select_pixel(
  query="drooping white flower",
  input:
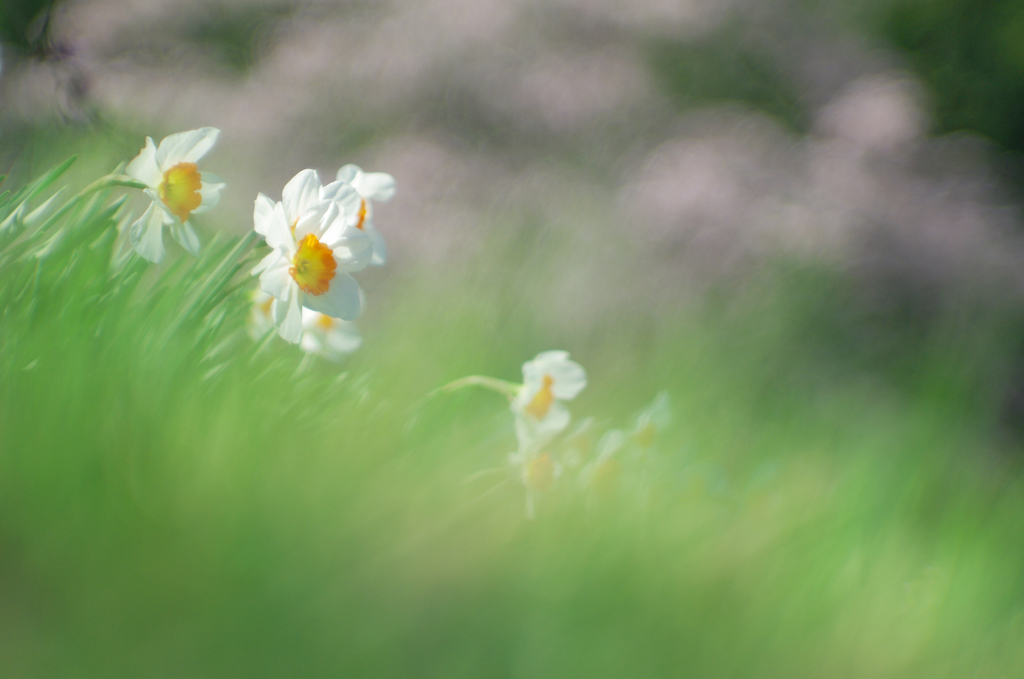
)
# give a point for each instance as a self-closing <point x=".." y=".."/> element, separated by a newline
<point x="371" y="186"/>
<point x="315" y="247"/>
<point x="177" y="189"/>
<point x="537" y="470"/>
<point x="328" y="337"/>
<point x="547" y="380"/>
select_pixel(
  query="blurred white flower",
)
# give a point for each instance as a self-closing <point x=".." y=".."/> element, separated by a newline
<point x="578" y="443"/>
<point x="652" y="422"/>
<point x="537" y="471"/>
<point x="261" y="317"/>
<point x="178" y="190"/>
<point x="547" y="380"/>
<point x="602" y="473"/>
<point x="371" y="186"/>
<point x="328" y="337"/>
<point x="316" y="245"/>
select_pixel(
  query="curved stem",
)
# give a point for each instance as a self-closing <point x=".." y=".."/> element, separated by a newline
<point x="109" y="181"/>
<point x="503" y="387"/>
<point x="105" y="182"/>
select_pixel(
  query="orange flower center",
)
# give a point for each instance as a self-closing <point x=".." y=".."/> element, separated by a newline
<point x="362" y="214"/>
<point x="541" y="402"/>
<point x="180" y="190"/>
<point x="540" y="472"/>
<point x="313" y="266"/>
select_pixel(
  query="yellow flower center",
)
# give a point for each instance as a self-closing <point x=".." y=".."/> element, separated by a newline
<point x="313" y="266"/>
<point x="265" y="305"/>
<point x="362" y="214"/>
<point x="325" y="322"/>
<point x="540" y="472"/>
<point x="541" y="402"/>
<point x="180" y="190"/>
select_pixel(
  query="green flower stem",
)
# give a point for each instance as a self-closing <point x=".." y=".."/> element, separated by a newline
<point x="109" y="181"/>
<point x="503" y="387"/>
<point x="507" y="389"/>
<point x="112" y="180"/>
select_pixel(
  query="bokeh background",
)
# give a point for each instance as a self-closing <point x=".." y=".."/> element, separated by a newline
<point x="801" y="219"/>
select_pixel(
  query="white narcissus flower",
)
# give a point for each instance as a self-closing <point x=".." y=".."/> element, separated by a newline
<point x="178" y="190"/>
<point x="547" y="380"/>
<point x="328" y="337"/>
<point x="371" y="186"/>
<point x="315" y="247"/>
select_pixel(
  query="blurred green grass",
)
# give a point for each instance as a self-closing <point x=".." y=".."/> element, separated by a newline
<point x="176" y="500"/>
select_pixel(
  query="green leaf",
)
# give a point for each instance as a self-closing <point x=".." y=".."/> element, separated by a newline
<point x="29" y="192"/>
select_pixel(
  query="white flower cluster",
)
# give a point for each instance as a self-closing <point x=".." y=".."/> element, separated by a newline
<point x="319" y="235"/>
<point x="541" y="417"/>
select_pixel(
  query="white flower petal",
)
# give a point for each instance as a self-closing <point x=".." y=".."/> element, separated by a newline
<point x="557" y="419"/>
<point x="260" y="319"/>
<point x="534" y="371"/>
<point x="185" y="147"/>
<point x="546" y="358"/>
<point x="288" y="317"/>
<point x="147" y="235"/>
<point x="310" y="318"/>
<point x="610" y="443"/>
<point x="186" y="236"/>
<point x="343" y="339"/>
<point x="380" y="250"/>
<point x="332" y="339"/>
<point x="658" y="413"/>
<point x="144" y="167"/>
<point x="345" y="195"/>
<point x="311" y="343"/>
<point x="378" y="186"/>
<point x="353" y="252"/>
<point x="343" y="299"/>
<point x="278" y="233"/>
<point x="569" y="379"/>
<point x="210" y="186"/>
<point x="348" y="173"/>
<point x="523" y="398"/>
<point x="263" y="214"/>
<point x="300" y="193"/>
<point x="277" y="282"/>
<point x="267" y="262"/>
<point x="533" y="434"/>
<point x="339" y="226"/>
<point x="315" y="220"/>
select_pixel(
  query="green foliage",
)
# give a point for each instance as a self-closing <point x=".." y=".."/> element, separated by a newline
<point x="24" y="24"/>
<point x="237" y="36"/>
<point x="722" y="67"/>
<point x="179" y="500"/>
<point x="971" y="55"/>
